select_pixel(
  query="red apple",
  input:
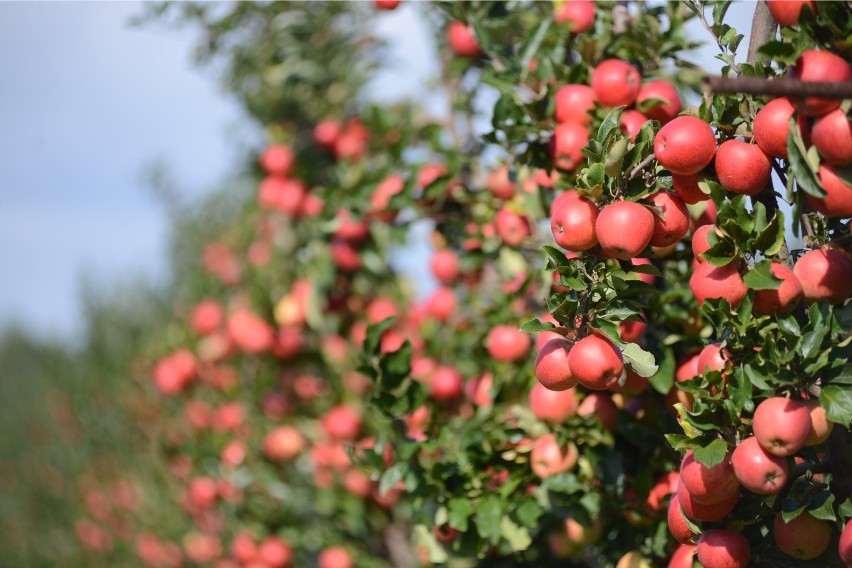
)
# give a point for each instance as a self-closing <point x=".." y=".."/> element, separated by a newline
<point x="326" y="132"/>
<point x="821" y="426"/>
<point x="804" y="537"/>
<point x="499" y="185"/>
<point x="249" y="332"/>
<point x="283" y="444"/>
<point x="710" y="282"/>
<point x="700" y="243"/>
<point x="820" y="66"/>
<point x="624" y="229"/>
<point x="663" y="112"/>
<point x="772" y="127"/>
<point x="758" y="470"/>
<point x="665" y="485"/>
<point x="274" y="552"/>
<point x="507" y="343"/>
<point x="566" y="146"/>
<point x="574" y="103"/>
<point x="710" y="513"/>
<point x="277" y="159"/>
<point x="838" y="196"/>
<point x="243" y="547"/>
<point x="551" y="365"/>
<point x="511" y="227"/>
<point x="708" y="485"/>
<point x="342" y="423"/>
<point x="786" y="12"/>
<point x="573" y="224"/>
<point x="686" y="187"/>
<point x="631" y="123"/>
<point x="207" y="316"/>
<point x="685" y="146"/>
<point x="683" y="556"/>
<point x="825" y="274"/>
<point x="712" y="358"/>
<point x="723" y="548"/>
<point x="673" y="225"/>
<point x="441" y="304"/>
<point x="386" y="4"/>
<point x="549" y="458"/>
<point x="677" y="522"/>
<point x="595" y="362"/>
<point x="462" y="41"/>
<point x="601" y="407"/>
<point x="784" y="298"/>
<point x="832" y="136"/>
<point x="335" y="557"/>
<point x="781" y="425"/>
<point x="845" y="545"/>
<point x="742" y="167"/>
<point x="616" y="83"/>
<point x="345" y="256"/>
<point x="580" y="14"/>
<point x="553" y="406"/>
<point x="446" y="383"/>
<point x="445" y="266"/>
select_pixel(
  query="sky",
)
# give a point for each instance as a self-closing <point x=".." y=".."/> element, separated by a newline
<point x="90" y="102"/>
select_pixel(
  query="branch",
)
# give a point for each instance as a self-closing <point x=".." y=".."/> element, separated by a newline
<point x="762" y="31"/>
<point x="641" y="166"/>
<point x="620" y="16"/>
<point x="778" y="87"/>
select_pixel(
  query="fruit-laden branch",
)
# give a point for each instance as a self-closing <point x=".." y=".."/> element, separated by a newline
<point x="777" y="87"/>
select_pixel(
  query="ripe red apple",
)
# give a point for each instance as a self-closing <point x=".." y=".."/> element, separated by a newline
<point x="708" y="485"/>
<point x="553" y="406"/>
<point x="445" y="266"/>
<point x="821" y="426"/>
<point x="386" y="4"/>
<point x="326" y="132"/>
<point x="207" y="316"/>
<point x="712" y="358"/>
<point x="683" y="556"/>
<point x="441" y="304"/>
<point x="781" y="425"/>
<point x="249" y="332"/>
<point x="820" y="66"/>
<point x="825" y="274"/>
<point x="601" y="407"/>
<point x="845" y="546"/>
<point x="700" y="244"/>
<point x="335" y="557"/>
<point x="511" y="227"/>
<point x="663" y="112"/>
<point x="342" y="423"/>
<point x="786" y="12"/>
<point x="772" y="127"/>
<point x="673" y="225"/>
<point x="595" y="362"/>
<point x="758" y="470"/>
<point x="277" y="159"/>
<point x="838" y="199"/>
<point x="708" y="282"/>
<point x="283" y="444"/>
<point x="243" y="547"/>
<point x="686" y="187"/>
<point x="631" y="123"/>
<point x="677" y="522"/>
<point x="832" y="136"/>
<point x="710" y="513"/>
<point x="580" y="14"/>
<point x="784" y="298"/>
<point x="616" y="83"/>
<point x="462" y="41"/>
<point x="632" y="331"/>
<point x="345" y="256"/>
<point x="507" y="343"/>
<point x="499" y="185"/>
<point x="665" y="485"/>
<point x="551" y="365"/>
<point x="685" y="146"/>
<point x="723" y="548"/>
<point x="573" y="224"/>
<point x="274" y="552"/>
<point x="548" y="458"/>
<point x="574" y="103"/>
<point x="742" y="167"/>
<point x="446" y="383"/>
<point x="566" y="146"/>
<point x="624" y="229"/>
<point x="804" y="537"/>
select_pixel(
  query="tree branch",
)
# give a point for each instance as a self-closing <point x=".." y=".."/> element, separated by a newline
<point x="641" y="166"/>
<point x="778" y="87"/>
<point x="762" y="31"/>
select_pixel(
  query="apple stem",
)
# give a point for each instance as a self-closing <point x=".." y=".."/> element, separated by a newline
<point x="641" y="166"/>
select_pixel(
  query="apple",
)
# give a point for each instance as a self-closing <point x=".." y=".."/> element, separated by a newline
<point x="781" y="425"/>
<point x="673" y="224"/>
<point x="804" y="537"/>
<point x="742" y="167"/>
<point x="335" y="557"/>
<point x="548" y="458"/>
<point x="663" y="112"/>
<point x="581" y="535"/>
<point x="845" y="545"/>
<point x="683" y="556"/>
<point x="507" y="343"/>
<point x="784" y="298"/>
<point x="349" y="229"/>
<point x="711" y="282"/>
<point x="677" y="522"/>
<point x="445" y="266"/>
<point x="825" y="274"/>
<point x="616" y="83"/>
<point x="838" y="196"/>
<point x="499" y="185"/>
<point x="685" y="146"/>
<point x="665" y="485"/>
<point x="820" y="66"/>
<point x="574" y="103"/>
<point x="595" y="362"/>
<point x="832" y="136"/>
<point x="441" y="303"/>
<point x="445" y="383"/>
<point x="342" y="423"/>
<point x="786" y="12"/>
<point x="250" y="333"/>
<point x="573" y="223"/>
<point x="624" y="229"/>
<point x="274" y="552"/>
<point x="552" y="406"/>
<point x="700" y="242"/>
<point x="686" y="187"/>
<point x="601" y="407"/>
<point x="772" y="127"/>
<point x="580" y="14"/>
<point x="277" y="160"/>
<point x="283" y="443"/>
<point x="386" y="4"/>
<point x="551" y="365"/>
<point x="566" y="146"/>
<point x="243" y="547"/>
<point x="351" y="144"/>
<point x="202" y="548"/>
<point x="712" y="358"/>
<point x="723" y="548"/>
<point x="207" y="316"/>
<point x="710" y="513"/>
<point x="462" y="41"/>
<point x="758" y="470"/>
<point x="326" y="132"/>
<point x="708" y="485"/>
<point x="821" y="426"/>
<point x="632" y="331"/>
<point x="633" y="559"/>
<point x="345" y="256"/>
<point x="631" y="123"/>
<point x="512" y="227"/>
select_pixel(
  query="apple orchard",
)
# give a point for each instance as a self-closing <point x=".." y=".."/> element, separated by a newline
<point x="637" y="352"/>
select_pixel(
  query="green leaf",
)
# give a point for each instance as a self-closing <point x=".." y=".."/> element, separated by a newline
<point x="488" y="517"/>
<point x="424" y="537"/>
<point x="615" y="157"/>
<point x="535" y="43"/>
<point x="797" y="152"/>
<point x="528" y="513"/>
<point x="837" y="402"/>
<point x="760" y="277"/>
<point x="663" y="379"/>
<point x="611" y="123"/>
<point x="826" y="510"/>
<point x="534" y="326"/>
<point x="812" y="341"/>
<point x="712" y="454"/>
<point x="518" y="537"/>
<point x="641" y="361"/>
<point x="391" y="476"/>
<point x="459" y="510"/>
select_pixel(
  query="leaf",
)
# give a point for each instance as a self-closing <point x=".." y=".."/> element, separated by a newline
<point x="760" y="277"/>
<point x="534" y="326"/>
<point x="392" y="476"/>
<point x="758" y="379"/>
<point x="532" y="47"/>
<point x="518" y="537"/>
<point x="488" y="517"/>
<point x="837" y="402"/>
<point x="459" y="510"/>
<point x="712" y="454"/>
<point x="825" y="511"/>
<point x="611" y="123"/>
<point x="663" y="379"/>
<point x="812" y="341"/>
<point x="528" y="513"/>
<point x="641" y="361"/>
<point x="806" y="178"/>
<point x="424" y="537"/>
<point x="615" y="157"/>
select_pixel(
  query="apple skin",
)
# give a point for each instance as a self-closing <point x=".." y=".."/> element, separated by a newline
<point x="566" y="146"/>
<point x="624" y="229"/>
<point x="581" y="14"/>
<point x="547" y="458"/>
<point x="784" y="298"/>
<point x="499" y="184"/>
<point x="700" y="244"/>
<point x="723" y="548"/>
<point x="708" y="485"/>
<point x="446" y="383"/>
<point x="441" y="303"/>
<point x="674" y="224"/>
<point x="821" y="66"/>
<point x="712" y="358"/>
<point x="781" y="425"/>
<point x="462" y="41"/>
<point x="600" y="406"/>
<point x="283" y="444"/>
<point x="274" y="552"/>
<point x="574" y="103"/>
<point x="633" y="559"/>
<point x="758" y="470"/>
<point x="845" y="545"/>
<point x="552" y="406"/>
<point x="742" y="168"/>
<point x="631" y="123"/>
<point x="804" y="537"/>
<point x="686" y="187"/>
<point x="772" y="127"/>
<point x="616" y="83"/>
<point x="683" y="556"/>
<point x="507" y="343"/>
<point x="335" y="557"/>
<point x="832" y="136"/>
<point x="277" y="159"/>
<point x="445" y="266"/>
<point x="664" y="112"/>
<point x="710" y="281"/>
<point x="710" y="513"/>
<point x="511" y="227"/>
<point x="573" y="223"/>
<point x="595" y="362"/>
<point x="838" y="199"/>
<point x="342" y="423"/>
<point x="685" y="146"/>
<point x="677" y="522"/>
<point x="551" y="365"/>
<point x="825" y="274"/>
<point x="786" y="12"/>
<point x="821" y="426"/>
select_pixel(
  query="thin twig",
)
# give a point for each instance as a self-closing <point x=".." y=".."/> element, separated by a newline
<point x="778" y="87"/>
<point x="641" y="166"/>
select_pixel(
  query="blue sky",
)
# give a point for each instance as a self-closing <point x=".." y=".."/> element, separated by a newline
<point x="88" y="102"/>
